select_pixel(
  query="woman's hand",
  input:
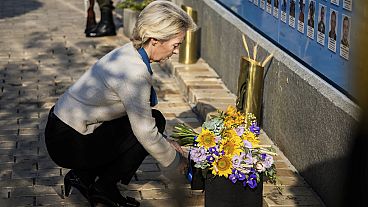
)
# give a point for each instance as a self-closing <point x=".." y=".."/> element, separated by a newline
<point x="176" y="146"/>
<point x="183" y="165"/>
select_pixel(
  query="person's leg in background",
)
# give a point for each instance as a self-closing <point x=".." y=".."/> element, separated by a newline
<point x="106" y="26"/>
<point x="91" y="17"/>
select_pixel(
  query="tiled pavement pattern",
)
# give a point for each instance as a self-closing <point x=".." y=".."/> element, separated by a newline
<point x="43" y="51"/>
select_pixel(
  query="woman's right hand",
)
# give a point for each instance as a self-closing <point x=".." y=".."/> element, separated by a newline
<point x="176" y="146"/>
<point x="183" y="165"/>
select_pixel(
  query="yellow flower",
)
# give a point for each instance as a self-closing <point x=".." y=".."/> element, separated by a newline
<point x="231" y="110"/>
<point x="229" y="133"/>
<point x="206" y="139"/>
<point x="231" y="146"/>
<point x="249" y="136"/>
<point x="222" y="167"/>
<point x="233" y="118"/>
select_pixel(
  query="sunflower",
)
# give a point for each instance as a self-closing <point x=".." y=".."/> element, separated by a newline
<point x="231" y="111"/>
<point x="206" y="139"/>
<point x="229" y="133"/>
<point x="231" y="146"/>
<point x="233" y="118"/>
<point x="251" y="137"/>
<point x="222" y="167"/>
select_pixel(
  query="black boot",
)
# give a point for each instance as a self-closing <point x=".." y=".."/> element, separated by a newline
<point x="80" y="181"/>
<point x="110" y="196"/>
<point x="105" y="27"/>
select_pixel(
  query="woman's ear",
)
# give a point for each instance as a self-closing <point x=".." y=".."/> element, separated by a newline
<point x="153" y="41"/>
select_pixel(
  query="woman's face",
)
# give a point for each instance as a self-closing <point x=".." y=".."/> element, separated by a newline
<point x="162" y="50"/>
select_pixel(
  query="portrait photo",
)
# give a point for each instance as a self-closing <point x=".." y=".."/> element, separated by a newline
<point x="311" y="14"/>
<point x="333" y="25"/>
<point x="322" y="18"/>
<point x="345" y="31"/>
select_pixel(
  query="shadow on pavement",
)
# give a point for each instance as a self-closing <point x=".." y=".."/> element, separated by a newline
<point x="11" y="8"/>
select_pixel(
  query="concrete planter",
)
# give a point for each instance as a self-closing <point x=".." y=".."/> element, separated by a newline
<point x="129" y="20"/>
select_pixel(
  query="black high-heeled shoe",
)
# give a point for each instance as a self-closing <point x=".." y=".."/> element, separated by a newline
<point x="72" y="180"/>
<point x="113" y="199"/>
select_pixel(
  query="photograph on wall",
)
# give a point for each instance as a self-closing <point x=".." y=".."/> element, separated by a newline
<point x="332" y="30"/>
<point x="276" y="8"/>
<point x="262" y="4"/>
<point x="321" y="27"/>
<point x="345" y="37"/>
<point x="336" y="2"/>
<point x="347" y="4"/>
<point x="301" y="16"/>
<point x="269" y="7"/>
<point x="311" y="17"/>
<point x="255" y="2"/>
<point x="292" y="14"/>
<point x="283" y="10"/>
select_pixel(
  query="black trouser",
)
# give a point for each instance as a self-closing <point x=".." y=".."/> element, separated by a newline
<point x="111" y="152"/>
<point x="105" y="4"/>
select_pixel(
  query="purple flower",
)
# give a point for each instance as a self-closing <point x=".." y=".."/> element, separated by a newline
<point x="241" y="176"/>
<point x="254" y="128"/>
<point x="268" y="161"/>
<point x="252" y="183"/>
<point x="247" y="144"/>
<point x="233" y="178"/>
<point x="198" y="154"/>
<point x="236" y="161"/>
<point x="252" y="170"/>
<point x="239" y="130"/>
<point x="210" y="159"/>
<point x="214" y="150"/>
<point x="250" y="160"/>
<point x="263" y="156"/>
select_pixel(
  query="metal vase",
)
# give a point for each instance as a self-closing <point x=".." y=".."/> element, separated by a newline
<point x="189" y="50"/>
<point x="250" y="87"/>
<point x="221" y="192"/>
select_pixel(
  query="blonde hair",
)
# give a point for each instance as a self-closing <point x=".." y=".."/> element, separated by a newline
<point x="161" y="20"/>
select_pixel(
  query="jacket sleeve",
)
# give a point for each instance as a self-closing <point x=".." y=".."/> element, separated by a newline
<point x="134" y="90"/>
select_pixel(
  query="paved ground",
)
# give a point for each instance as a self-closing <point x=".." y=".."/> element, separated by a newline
<point x="43" y="51"/>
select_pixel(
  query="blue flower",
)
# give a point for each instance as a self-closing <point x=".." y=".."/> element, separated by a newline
<point x="252" y="183"/>
<point x="213" y="150"/>
<point x="252" y="180"/>
<point x="241" y="176"/>
<point x="233" y="178"/>
<point x="254" y="128"/>
<point x="210" y="159"/>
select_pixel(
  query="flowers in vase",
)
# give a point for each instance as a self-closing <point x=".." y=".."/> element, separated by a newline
<point x="229" y="146"/>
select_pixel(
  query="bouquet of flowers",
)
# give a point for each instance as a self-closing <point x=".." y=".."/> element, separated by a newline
<point x="228" y="146"/>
